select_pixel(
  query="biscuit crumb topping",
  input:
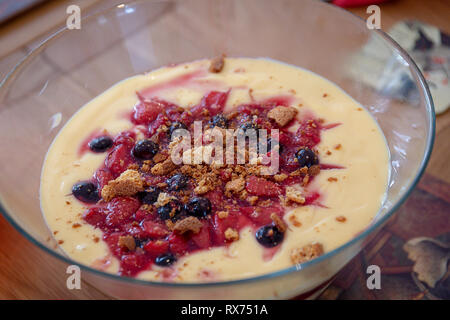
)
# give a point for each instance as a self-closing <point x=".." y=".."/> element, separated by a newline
<point x="231" y="234"/>
<point x="127" y="242"/>
<point x="306" y="253"/>
<point x="280" y="177"/>
<point x="295" y="195"/>
<point x="163" y="168"/>
<point x="282" y="115"/>
<point x="222" y="214"/>
<point x="127" y="184"/>
<point x="217" y="64"/>
<point x="235" y="186"/>
<point x="279" y="223"/>
<point x="294" y="221"/>
<point x="163" y="199"/>
<point x="188" y="224"/>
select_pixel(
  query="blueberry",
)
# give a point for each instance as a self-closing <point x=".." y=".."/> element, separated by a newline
<point x="100" y="144"/>
<point x="176" y="125"/>
<point x="164" y="211"/>
<point x="306" y="157"/>
<point x="269" y="236"/>
<point x="177" y="182"/>
<point x="250" y="125"/>
<point x="139" y="243"/>
<point x="85" y="191"/>
<point x="171" y="210"/>
<point x="145" y="149"/>
<point x="150" y="195"/>
<point x="219" y="120"/>
<point x="198" y="207"/>
<point x="165" y="260"/>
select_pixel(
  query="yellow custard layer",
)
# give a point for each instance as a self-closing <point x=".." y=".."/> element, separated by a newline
<point x="357" y="194"/>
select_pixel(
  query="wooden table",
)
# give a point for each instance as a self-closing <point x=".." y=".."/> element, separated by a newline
<point x="26" y="272"/>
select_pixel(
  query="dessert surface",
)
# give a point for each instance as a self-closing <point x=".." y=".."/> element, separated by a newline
<point x="115" y="200"/>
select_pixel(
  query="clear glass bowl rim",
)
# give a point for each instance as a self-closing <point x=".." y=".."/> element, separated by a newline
<point x="297" y="268"/>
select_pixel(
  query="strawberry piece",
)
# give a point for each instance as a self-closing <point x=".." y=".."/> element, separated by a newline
<point x="156" y="247"/>
<point x="311" y="198"/>
<point x="216" y="198"/>
<point x="214" y="102"/>
<point x="222" y="224"/>
<point x="203" y="238"/>
<point x="121" y="209"/>
<point x="248" y="109"/>
<point x="261" y="215"/>
<point x="135" y="231"/>
<point x="146" y="111"/>
<point x="154" y="229"/>
<point x="308" y="134"/>
<point x="289" y="160"/>
<point x="140" y="215"/>
<point x="118" y="160"/>
<point x="95" y="216"/>
<point x="112" y="240"/>
<point x="102" y="176"/>
<point x="160" y="120"/>
<point x="262" y="187"/>
<point x="126" y="138"/>
<point x="133" y="263"/>
<point x="178" y="244"/>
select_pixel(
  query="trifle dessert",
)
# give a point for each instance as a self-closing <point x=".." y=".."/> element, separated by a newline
<point x="213" y="170"/>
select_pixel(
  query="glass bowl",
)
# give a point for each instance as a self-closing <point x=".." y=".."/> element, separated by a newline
<point x="73" y="66"/>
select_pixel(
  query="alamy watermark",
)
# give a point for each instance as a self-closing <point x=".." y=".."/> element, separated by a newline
<point x="73" y="21"/>
<point x="374" y="20"/>
<point x="374" y="279"/>
<point x="74" y="279"/>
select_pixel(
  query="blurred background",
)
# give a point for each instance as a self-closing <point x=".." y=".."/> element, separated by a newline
<point x="421" y="27"/>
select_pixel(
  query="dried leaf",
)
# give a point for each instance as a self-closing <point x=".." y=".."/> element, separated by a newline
<point x="430" y="257"/>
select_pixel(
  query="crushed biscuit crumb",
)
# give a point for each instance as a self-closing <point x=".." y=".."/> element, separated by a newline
<point x="282" y="115"/>
<point x="295" y="195"/>
<point x="280" y="177"/>
<point x="127" y="242"/>
<point x="188" y="224"/>
<point x="231" y="234"/>
<point x="204" y="185"/>
<point x="306" y="253"/>
<point x="159" y="157"/>
<point x="341" y="219"/>
<point x="252" y="200"/>
<point x="314" y="170"/>
<point x="294" y="221"/>
<point x="235" y="186"/>
<point x="163" y="168"/>
<point x="163" y="199"/>
<point x="133" y="166"/>
<point x="217" y="64"/>
<point x="222" y="214"/>
<point x="127" y="184"/>
<point x="332" y="179"/>
<point x="279" y="223"/>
